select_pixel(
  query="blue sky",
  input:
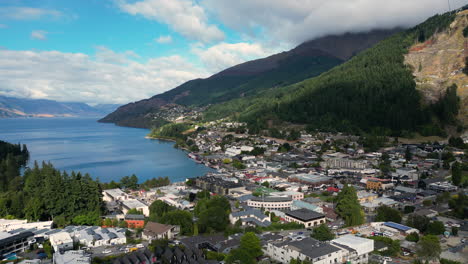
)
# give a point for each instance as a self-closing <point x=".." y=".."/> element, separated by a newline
<point x="118" y="51"/>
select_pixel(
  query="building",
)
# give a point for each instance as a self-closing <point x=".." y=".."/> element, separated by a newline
<point x="252" y="217"/>
<point x="61" y="241"/>
<point x="366" y="197"/>
<point x="362" y="247"/>
<point x="270" y="203"/>
<point x="155" y="230"/>
<point x="95" y="236"/>
<point x="306" y="217"/>
<point x="370" y="207"/>
<point x="135" y="221"/>
<point x="7" y="225"/>
<point x="293" y="195"/>
<point x="307" y="249"/>
<point x="71" y="257"/>
<point x="113" y="195"/>
<point x="218" y="185"/>
<point x="138" y="257"/>
<point x="311" y="179"/>
<point x="378" y="184"/>
<point x="127" y="205"/>
<point x="443" y="187"/>
<point x="393" y="227"/>
<point x="14" y="243"/>
<point x="301" y="204"/>
<point x="339" y="163"/>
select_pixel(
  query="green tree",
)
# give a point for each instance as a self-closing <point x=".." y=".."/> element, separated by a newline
<point x="385" y="213"/>
<point x="454" y="231"/>
<point x="184" y="219"/>
<point x="428" y="247"/>
<point x="408" y="209"/>
<point x="348" y="206"/>
<point x="322" y="233"/>
<point x="413" y="237"/>
<point x="249" y="249"/>
<point x="408" y="154"/>
<point x="456" y="174"/>
<point x="419" y="222"/>
<point x="158" y="209"/>
<point x="436" y="228"/>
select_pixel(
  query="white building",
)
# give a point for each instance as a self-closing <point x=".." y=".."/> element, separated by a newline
<point x="362" y="247"/>
<point x="113" y="195"/>
<point x="72" y="256"/>
<point x="233" y="151"/>
<point x="306" y="217"/>
<point x="61" y="241"/>
<point x="134" y="204"/>
<point x="7" y="225"/>
<point x="270" y="203"/>
<point x="307" y="249"/>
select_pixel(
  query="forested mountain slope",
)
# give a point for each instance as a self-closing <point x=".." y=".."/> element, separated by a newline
<point x="248" y="79"/>
<point x="375" y="89"/>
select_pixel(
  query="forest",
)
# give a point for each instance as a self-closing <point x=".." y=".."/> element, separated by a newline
<point x="45" y="193"/>
<point x="375" y="89"/>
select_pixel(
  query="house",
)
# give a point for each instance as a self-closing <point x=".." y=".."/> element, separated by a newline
<point x="362" y="247"/>
<point x="329" y="213"/>
<point x="135" y="221"/>
<point x="378" y="184"/>
<point x="426" y="212"/>
<point x="71" y="256"/>
<point x="155" y="230"/>
<point x="218" y="185"/>
<point x="306" y="217"/>
<point x="143" y="256"/>
<point x="370" y="207"/>
<point x="113" y="195"/>
<point x="130" y="204"/>
<point x="366" y="197"/>
<point x="307" y="249"/>
<point x="14" y="243"/>
<point x="61" y="241"/>
<point x="252" y="217"/>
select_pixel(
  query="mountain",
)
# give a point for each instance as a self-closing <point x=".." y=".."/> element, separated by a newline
<point x="21" y="107"/>
<point x="255" y="77"/>
<point x="381" y="88"/>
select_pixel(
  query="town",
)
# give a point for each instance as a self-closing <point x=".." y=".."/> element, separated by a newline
<point x="306" y="198"/>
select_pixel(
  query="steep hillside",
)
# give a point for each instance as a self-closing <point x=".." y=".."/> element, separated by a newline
<point x="251" y="78"/>
<point x="375" y="89"/>
<point x="438" y="63"/>
<point x="20" y="107"/>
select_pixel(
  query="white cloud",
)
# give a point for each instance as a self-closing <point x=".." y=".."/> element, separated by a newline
<point x="39" y="34"/>
<point x="300" y="20"/>
<point x="27" y="13"/>
<point x="224" y="55"/>
<point x="184" y="16"/>
<point x="78" y="77"/>
<point x="164" y="39"/>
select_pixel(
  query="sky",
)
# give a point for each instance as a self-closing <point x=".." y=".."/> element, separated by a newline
<point x="120" y="51"/>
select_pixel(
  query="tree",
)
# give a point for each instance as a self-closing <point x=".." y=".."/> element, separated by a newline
<point x="408" y="154"/>
<point x="454" y="231"/>
<point x="408" y="209"/>
<point x="135" y="211"/>
<point x="322" y="233"/>
<point x="427" y="202"/>
<point x="184" y="219"/>
<point x="413" y="237"/>
<point x="428" y="247"/>
<point x="213" y="214"/>
<point x="385" y="213"/>
<point x="436" y="228"/>
<point x="348" y="206"/>
<point x="419" y="222"/>
<point x="249" y="249"/>
<point x="456" y="174"/>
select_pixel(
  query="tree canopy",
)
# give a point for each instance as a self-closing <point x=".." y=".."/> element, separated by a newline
<point x="348" y="206"/>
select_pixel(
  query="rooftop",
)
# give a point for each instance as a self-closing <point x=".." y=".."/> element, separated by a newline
<point x="304" y="214"/>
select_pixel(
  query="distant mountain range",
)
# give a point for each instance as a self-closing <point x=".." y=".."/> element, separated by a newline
<point x="11" y="107"/>
<point x="251" y="78"/>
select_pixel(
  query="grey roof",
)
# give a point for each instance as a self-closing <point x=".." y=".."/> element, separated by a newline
<point x="255" y="212"/>
<point x="256" y="221"/>
<point x="310" y="247"/>
<point x="304" y="214"/>
<point x="271" y="199"/>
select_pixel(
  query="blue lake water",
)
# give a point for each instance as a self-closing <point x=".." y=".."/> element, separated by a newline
<point x="102" y="150"/>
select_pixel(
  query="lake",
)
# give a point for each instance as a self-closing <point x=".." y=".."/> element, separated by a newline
<point x="102" y="150"/>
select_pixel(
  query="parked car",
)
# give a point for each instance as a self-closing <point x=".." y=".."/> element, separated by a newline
<point x="387" y="258"/>
<point x="140" y="246"/>
<point x="107" y="251"/>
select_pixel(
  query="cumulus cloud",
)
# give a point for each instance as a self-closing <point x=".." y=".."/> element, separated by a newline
<point x="27" y="13"/>
<point x="39" y="34"/>
<point x="184" y="16"/>
<point x="78" y="77"/>
<point x="300" y="20"/>
<point x="164" y="39"/>
<point x="224" y="55"/>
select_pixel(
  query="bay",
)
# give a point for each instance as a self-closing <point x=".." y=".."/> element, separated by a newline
<point x="105" y="151"/>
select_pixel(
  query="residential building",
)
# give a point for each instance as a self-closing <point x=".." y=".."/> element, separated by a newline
<point x="127" y="205"/>
<point x="366" y="197"/>
<point x="270" y="203"/>
<point x="7" y="225"/>
<point x="378" y="184"/>
<point x="71" y="257"/>
<point x="61" y="241"/>
<point x="218" y="185"/>
<point x="252" y="217"/>
<point x="311" y="179"/>
<point x="306" y="217"/>
<point x="135" y="221"/>
<point x="155" y="230"/>
<point x="362" y="247"/>
<point x="143" y="256"/>
<point x="113" y="195"/>
<point x="307" y="249"/>
<point x="301" y="204"/>
<point x="14" y="243"/>
<point x="293" y="195"/>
